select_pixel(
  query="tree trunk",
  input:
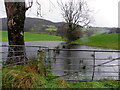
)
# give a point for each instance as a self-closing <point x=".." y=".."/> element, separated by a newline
<point x="15" y="22"/>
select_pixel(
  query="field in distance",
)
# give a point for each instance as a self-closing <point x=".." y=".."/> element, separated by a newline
<point x="32" y="37"/>
<point x="106" y="40"/>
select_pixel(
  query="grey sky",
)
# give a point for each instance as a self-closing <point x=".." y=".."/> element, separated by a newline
<point x="105" y="12"/>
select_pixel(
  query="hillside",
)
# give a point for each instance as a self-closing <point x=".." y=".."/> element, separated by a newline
<point x="37" y="25"/>
<point x="107" y="40"/>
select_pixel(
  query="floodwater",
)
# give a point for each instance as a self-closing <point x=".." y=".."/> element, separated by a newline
<point x="77" y="64"/>
<point x="80" y="64"/>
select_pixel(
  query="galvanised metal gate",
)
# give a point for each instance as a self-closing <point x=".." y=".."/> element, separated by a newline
<point x="74" y="64"/>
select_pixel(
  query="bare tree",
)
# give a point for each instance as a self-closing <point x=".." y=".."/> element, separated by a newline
<point x="75" y="14"/>
<point x="15" y="10"/>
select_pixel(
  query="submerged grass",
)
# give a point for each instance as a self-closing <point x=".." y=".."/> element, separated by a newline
<point x="27" y="76"/>
<point x="107" y="41"/>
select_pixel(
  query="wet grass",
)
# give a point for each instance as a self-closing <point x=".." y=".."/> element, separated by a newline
<point x="104" y="83"/>
<point x="32" y="37"/>
<point x="27" y="76"/>
<point x="41" y="37"/>
<point x="107" y="41"/>
<point x="21" y="77"/>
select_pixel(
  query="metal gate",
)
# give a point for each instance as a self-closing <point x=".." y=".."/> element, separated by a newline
<point x="74" y="64"/>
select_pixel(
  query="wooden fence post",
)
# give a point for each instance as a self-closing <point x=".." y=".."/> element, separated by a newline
<point x="41" y="65"/>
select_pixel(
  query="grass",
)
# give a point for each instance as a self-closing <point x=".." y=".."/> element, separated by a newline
<point x="107" y="41"/>
<point x="104" y="83"/>
<point x="0" y="36"/>
<point x="50" y="27"/>
<point x="32" y="37"/>
<point x="28" y="77"/>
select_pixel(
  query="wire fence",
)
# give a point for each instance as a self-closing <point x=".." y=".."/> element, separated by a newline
<point x="74" y="64"/>
<point x="70" y="64"/>
<point x="29" y="54"/>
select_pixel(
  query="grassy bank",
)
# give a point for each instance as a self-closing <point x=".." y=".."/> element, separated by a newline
<point x="28" y="77"/>
<point x="107" y="41"/>
<point x="32" y="37"/>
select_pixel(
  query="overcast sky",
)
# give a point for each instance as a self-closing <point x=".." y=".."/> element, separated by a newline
<point x="105" y="12"/>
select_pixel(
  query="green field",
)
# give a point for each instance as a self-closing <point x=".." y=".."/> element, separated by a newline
<point x="106" y="41"/>
<point x="32" y="37"/>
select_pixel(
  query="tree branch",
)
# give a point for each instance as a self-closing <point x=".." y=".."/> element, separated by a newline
<point x="30" y="4"/>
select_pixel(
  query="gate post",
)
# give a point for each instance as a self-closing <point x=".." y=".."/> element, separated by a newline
<point x="41" y="65"/>
<point x="93" y="65"/>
